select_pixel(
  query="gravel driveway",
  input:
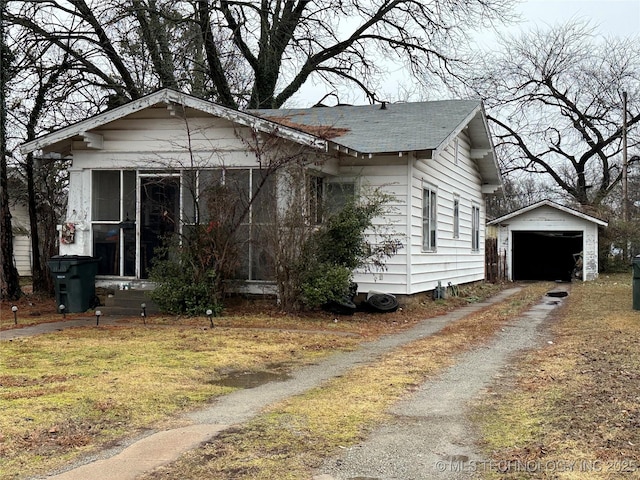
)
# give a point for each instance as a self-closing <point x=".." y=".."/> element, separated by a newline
<point x="430" y="436"/>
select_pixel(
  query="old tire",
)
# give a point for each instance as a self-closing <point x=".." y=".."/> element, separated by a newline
<point x="382" y="302"/>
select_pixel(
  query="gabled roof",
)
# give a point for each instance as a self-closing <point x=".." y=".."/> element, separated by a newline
<point x="548" y="203"/>
<point x="375" y="129"/>
<point x="393" y="128"/>
<point x="390" y="128"/>
<point x="60" y="140"/>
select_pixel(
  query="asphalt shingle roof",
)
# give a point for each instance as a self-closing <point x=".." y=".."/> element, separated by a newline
<point x="400" y="127"/>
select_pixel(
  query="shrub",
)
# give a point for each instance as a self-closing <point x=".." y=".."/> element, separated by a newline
<point x="325" y="283"/>
<point x="339" y="246"/>
<point x="183" y="287"/>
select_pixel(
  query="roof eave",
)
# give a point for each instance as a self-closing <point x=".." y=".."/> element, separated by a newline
<point x="487" y="162"/>
<point x="169" y="97"/>
<point x="551" y="204"/>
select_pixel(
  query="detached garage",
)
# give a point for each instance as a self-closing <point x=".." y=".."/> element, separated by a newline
<point x="545" y="240"/>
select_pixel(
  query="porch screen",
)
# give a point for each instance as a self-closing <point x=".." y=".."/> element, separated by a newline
<point x="236" y="201"/>
<point x="113" y="214"/>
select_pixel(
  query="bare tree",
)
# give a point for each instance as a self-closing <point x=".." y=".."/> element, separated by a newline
<point x="518" y="192"/>
<point x="9" y="279"/>
<point x="43" y="94"/>
<point x="43" y="214"/>
<point x="254" y="54"/>
<point x="554" y="99"/>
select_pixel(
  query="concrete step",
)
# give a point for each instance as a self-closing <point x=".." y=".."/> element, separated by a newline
<point x="129" y="302"/>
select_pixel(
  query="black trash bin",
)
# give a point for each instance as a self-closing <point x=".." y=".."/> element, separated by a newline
<point x="636" y="282"/>
<point x="74" y="278"/>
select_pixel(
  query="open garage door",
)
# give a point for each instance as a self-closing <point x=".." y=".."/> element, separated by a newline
<point x="545" y="255"/>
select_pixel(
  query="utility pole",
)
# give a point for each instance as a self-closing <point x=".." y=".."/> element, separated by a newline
<point x="625" y="188"/>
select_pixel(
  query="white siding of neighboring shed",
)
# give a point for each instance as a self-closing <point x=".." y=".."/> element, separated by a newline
<point x="21" y="239"/>
<point x="546" y="218"/>
<point x="22" y="254"/>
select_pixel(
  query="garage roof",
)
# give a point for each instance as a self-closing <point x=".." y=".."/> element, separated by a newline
<point x="548" y="203"/>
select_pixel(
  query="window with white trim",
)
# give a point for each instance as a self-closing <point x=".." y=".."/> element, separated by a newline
<point x="475" y="228"/>
<point x="429" y="218"/>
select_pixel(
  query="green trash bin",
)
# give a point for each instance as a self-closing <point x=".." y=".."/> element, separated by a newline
<point x="636" y="282"/>
<point x="74" y="278"/>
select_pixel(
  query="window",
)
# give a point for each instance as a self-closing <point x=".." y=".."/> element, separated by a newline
<point x="337" y="194"/>
<point x="315" y="193"/>
<point x="475" y="228"/>
<point x="429" y="219"/>
<point x="456" y="217"/>
<point x="228" y="196"/>
<point x="200" y="189"/>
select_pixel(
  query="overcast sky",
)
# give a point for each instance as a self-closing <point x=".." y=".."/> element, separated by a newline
<point x="611" y="17"/>
<point x="615" y="17"/>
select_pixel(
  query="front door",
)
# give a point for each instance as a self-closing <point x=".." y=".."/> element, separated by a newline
<point x="159" y="216"/>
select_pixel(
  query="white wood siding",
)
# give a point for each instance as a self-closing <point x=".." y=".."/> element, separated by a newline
<point x="21" y="239"/>
<point x="22" y="254"/>
<point x="390" y="174"/>
<point x="413" y="270"/>
<point x="453" y="260"/>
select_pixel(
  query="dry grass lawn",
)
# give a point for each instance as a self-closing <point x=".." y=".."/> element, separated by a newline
<point x="66" y="394"/>
<point x="572" y="410"/>
<point x="293" y="438"/>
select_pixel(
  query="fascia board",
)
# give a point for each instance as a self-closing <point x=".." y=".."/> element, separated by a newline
<point x="171" y="96"/>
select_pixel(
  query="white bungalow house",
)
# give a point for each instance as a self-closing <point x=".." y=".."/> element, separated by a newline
<point x="130" y="167"/>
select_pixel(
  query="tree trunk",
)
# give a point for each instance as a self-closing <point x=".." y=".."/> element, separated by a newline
<point x="9" y="279"/>
<point x="40" y="272"/>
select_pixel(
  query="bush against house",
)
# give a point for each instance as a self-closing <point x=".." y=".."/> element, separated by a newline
<point x="340" y="246"/>
<point x="309" y="248"/>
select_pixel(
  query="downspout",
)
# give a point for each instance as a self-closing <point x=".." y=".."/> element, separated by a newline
<point x="410" y="162"/>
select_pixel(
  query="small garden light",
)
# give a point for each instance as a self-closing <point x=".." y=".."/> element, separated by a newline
<point x="63" y="310"/>
<point x="14" y="309"/>
<point x="98" y="313"/>
<point x="143" y="313"/>
<point x="209" y="314"/>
